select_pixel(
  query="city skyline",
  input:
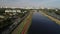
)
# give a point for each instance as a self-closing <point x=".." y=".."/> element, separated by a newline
<point x="30" y="3"/>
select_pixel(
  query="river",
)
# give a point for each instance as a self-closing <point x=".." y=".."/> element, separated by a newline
<point x="42" y="25"/>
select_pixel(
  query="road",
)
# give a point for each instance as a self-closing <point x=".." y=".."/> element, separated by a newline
<point x="15" y="21"/>
<point x="43" y="25"/>
<point x="11" y="27"/>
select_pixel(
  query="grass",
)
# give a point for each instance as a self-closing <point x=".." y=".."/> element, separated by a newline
<point x="52" y="18"/>
<point x="20" y="27"/>
<point x="27" y="25"/>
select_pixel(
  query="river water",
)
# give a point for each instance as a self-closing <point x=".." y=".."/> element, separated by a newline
<point x="42" y="25"/>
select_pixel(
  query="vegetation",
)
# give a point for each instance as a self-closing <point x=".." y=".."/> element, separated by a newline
<point x="57" y="12"/>
<point x="6" y="21"/>
<point x="52" y="14"/>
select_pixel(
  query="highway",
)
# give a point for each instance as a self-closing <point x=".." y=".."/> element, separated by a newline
<point x="16" y="22"/>
<point x="11" y="27"/>
<point x="40" y="25"/>
<point x="43" y="25"/>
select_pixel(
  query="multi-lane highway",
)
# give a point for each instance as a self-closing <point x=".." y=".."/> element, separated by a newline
<point x="43" y="25"/>
<point x="40" y="25"/>
<point x="16" y="21"/>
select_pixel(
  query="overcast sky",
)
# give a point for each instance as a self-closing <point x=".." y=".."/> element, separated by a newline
<point x="30" y="3"/>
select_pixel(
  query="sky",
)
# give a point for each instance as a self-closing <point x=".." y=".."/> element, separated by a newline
<point x="30" y="3"/>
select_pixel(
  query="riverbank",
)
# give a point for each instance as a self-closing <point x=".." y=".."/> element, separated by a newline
<point x="23" y="27"/>
<point x="52" y="18"/>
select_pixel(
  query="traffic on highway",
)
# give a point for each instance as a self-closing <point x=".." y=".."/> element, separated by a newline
<point x="11" y="20"/>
